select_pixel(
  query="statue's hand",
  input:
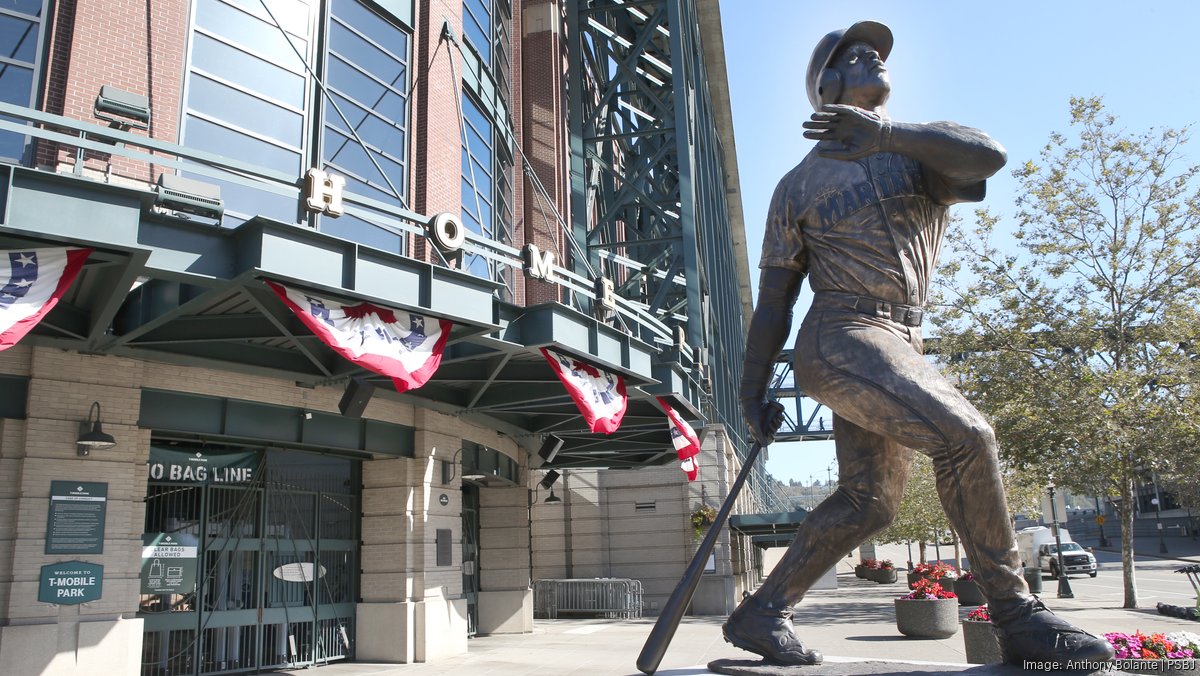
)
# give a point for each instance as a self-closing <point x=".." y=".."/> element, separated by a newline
<point x="847" y="132"/>
<point x="764" y="418"/>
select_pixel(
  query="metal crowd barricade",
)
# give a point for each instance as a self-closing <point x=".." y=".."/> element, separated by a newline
<point x="610" y="598"/>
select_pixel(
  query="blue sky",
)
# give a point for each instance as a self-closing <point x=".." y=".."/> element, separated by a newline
<point x="1008" y="68"/>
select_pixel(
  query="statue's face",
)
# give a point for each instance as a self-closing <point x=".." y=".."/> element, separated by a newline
<point x="865" y="81"/>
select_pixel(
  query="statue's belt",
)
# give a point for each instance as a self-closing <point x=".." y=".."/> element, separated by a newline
<point x="908" y="315"/>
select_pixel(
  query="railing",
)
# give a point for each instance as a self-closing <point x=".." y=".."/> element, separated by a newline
<point x="634" y="316"/>
<point x="610" y="598"/>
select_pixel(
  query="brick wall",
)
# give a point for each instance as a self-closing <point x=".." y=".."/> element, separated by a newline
<point x="543" y="132"/>
<point x="437" y="165"/>
<point x="135" y="45"/>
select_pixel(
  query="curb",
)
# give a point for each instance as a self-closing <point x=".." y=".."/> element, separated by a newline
<point x="1144" y="555"/>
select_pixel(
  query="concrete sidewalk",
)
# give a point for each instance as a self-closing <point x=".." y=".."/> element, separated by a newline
<point x="852" y="623"/>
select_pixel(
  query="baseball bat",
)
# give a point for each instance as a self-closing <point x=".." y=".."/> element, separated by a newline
<point x="672" y="611"/>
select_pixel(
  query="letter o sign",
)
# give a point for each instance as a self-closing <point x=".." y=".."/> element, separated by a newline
<point x="447" y="232"/>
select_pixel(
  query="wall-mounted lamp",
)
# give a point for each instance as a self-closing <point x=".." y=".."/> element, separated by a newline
<point x="91" y="436"/>
<point x="122" y="109"/>
<point x="548" y="482"/>
<point x="448" y="470"/>
<point x="176" y="195"/>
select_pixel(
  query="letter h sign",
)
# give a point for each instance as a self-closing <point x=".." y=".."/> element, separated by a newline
<point x="324" y="192"/>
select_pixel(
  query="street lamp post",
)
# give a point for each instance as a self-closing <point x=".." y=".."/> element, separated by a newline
<point x="1162" y="545"/>
<point x="1064" y="584"/>
<point x="1100" y="522"/>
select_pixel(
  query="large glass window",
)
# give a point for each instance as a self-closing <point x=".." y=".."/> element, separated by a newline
<point x="477" y="26"/>
<point x="485" y="27"/>
<point x="21" y="24"/>
<point x="478" y="171"/>
<point x="365" y="132"/>
<point x="247" y="92"/>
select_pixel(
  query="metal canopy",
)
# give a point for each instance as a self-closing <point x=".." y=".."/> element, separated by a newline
<point x="768" y="530"/>
<point x="177" y="292"/>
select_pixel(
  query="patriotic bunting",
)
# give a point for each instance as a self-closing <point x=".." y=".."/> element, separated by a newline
<point x="599" y="394"/>
<point x="683" y="437"/>
<point x="404" y="346"/>
<point x="31" y="282"/>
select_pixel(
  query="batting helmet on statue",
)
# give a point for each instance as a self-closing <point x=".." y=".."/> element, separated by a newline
<point x="825" y="86"/>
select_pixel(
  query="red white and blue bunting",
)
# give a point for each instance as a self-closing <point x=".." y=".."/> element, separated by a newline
<point x="31" y="282"/>
<point x="600" y="395"/>
<point x="404" y="346"/>
<point x="685" y="441"/>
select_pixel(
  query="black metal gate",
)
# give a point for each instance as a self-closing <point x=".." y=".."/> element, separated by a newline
<point x="470" y="554"/>
<point x="277" y="567"/>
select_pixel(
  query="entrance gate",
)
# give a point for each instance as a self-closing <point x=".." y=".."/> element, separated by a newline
<point x="277" y="565"/>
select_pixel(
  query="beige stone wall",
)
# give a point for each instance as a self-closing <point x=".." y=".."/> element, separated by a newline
<point x="636" y="524"/>
<point x="41" y="449"/>
<point x="411" y="610"/>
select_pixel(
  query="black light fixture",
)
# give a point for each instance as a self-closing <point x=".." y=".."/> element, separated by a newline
<point x="448" y="469"/>
<point x="94" y="438"/>
<point x="552" y="498"/>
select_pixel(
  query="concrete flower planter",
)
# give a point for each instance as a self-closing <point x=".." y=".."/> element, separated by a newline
<point x="982" y="642"/>
<point x="927" y="618"/>
<point x="969" y="593"/>
<point x="860" y="571"/>
<point x="882" y="575"/>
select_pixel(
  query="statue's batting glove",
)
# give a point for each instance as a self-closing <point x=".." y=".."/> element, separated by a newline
<point x="764" y="419"/>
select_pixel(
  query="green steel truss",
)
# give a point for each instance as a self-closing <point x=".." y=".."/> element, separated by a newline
<point x="647" y="179"/>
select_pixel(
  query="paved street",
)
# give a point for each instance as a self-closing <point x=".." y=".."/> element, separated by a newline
<point x="854" y="622"/>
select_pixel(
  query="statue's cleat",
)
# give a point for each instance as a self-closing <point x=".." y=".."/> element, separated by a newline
<point x="767" y="632"/>
<point x="1031" y="633"/>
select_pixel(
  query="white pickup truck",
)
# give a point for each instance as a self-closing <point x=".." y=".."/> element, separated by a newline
<point x="1075" y="559"/>
<point x="1037" y="547"/>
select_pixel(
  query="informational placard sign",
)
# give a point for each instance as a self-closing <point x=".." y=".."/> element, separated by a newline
<point x="70" y="582"/>
<point x="197" y="467"/>
<point x="76" y="521"/>
<point x="169" y="563"/>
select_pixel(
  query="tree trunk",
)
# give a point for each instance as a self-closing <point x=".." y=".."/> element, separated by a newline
<point x="1126" y="515"/>
<point x="921" y="550"/>
<point x="957" y="555"/>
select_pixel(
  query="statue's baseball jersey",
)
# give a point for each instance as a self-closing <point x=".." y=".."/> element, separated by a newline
<point x="870" y="227"/>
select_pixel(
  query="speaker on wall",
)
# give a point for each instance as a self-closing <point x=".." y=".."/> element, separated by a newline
<point x="354" y="400"/>
<point x="548" y="480"/>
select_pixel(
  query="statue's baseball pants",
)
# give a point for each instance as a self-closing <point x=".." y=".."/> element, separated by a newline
<point x="887" y="402"/>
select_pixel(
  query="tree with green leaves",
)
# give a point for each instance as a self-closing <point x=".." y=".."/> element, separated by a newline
<point x="1079" y="341"/>
<point x="921" y="513"/>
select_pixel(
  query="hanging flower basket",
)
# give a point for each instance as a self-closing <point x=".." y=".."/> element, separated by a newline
<point x="701" y="519"/>
<point x="980" y="638"/>
<point x="929" y="611"/>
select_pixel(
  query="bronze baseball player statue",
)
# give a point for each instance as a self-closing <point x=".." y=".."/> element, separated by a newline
<point x="862" y="216"/>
